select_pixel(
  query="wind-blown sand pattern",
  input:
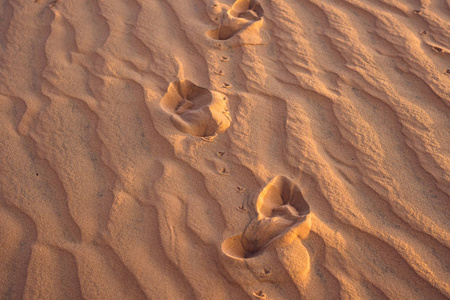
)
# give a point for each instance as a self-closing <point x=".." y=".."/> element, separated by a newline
<point x="289" y="149"/>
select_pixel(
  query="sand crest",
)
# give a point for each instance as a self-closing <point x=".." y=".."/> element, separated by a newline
<point x="248" y="149"/>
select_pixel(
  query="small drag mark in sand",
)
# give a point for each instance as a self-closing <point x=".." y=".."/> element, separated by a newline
<point x="437" y="49"/>
<point x="417" y="11"/>
<point x="223" y="171"/>
<point x="219" y="72"/>
<point x="226" y="85"/>
<point x="260" y="295"/>
<point x="447" y="72"/>
<point x="209" y="138"/>
<point x="226" y="113"/>
<point x="224" y="58"/>
<point x="52" y="4"/>
<point x="423" y="32"/>
<point x="240" y="189"/>
<point x="241" y="208"/>
<point x="266" y="272"/>
<point x="220" y="153"/>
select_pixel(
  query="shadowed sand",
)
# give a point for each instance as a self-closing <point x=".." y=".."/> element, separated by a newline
<point x="222" y="149"/>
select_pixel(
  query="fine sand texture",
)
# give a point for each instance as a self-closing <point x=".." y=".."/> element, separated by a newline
<point x="249" y="149"/>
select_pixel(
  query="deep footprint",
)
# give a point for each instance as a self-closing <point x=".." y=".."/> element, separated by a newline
<point x="280" y="208"/>
<point x="196" y="111"/>
<point x="242" y="15"/>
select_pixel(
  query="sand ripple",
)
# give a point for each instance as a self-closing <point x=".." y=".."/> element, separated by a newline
<point x="224" y="150"/>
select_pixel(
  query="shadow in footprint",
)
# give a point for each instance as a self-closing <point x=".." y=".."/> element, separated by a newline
<point x="245" y="19"/>
<point x="196" y="111"/>
<point x="282" y="214"/>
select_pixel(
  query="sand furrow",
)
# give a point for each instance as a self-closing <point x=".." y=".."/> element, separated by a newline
<point x="225" y="149"/>
<point x="103" y="274"/>
<point x="7" y="15"/>
<point x="17" y="240"/>
<point x="376" y="168"/>
<point x="52" y="273"/>
<point x="408" y="114"/>
<point x="92" y="34"/>
<point x="139" y="245"/>
<point x="49" y="195"/>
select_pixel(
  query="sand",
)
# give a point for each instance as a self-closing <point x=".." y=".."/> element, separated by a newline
<point x="168" y="149"/>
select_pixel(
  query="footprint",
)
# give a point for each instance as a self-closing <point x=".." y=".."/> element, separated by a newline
<point x="194" y="110"/>
<point x="244" y="16"/>
<point x="280" y="208"/>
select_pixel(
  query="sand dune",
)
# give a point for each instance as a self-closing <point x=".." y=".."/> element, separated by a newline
<point x="227" y="149"/>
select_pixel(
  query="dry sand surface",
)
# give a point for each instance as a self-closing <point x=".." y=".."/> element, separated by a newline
<point x="199" y="149"/>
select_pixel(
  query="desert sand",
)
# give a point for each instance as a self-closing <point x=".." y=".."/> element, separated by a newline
<point x="272" y="149"/>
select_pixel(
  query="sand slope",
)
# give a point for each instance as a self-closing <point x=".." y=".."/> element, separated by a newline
<point x="277" y="149"/>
